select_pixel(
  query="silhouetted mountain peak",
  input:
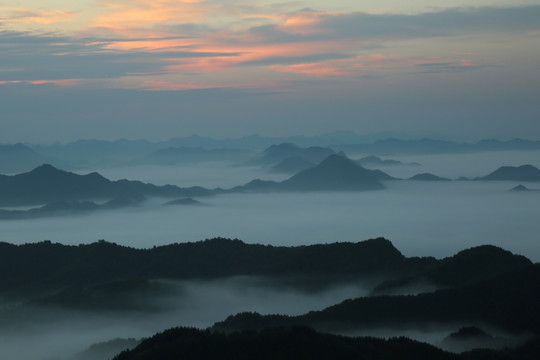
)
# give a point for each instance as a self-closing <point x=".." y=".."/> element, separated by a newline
<point x="336" y="161"/>
<point x="335" y="172"/>
<point x="45" y="172"/>
<point x="46" y="169"/>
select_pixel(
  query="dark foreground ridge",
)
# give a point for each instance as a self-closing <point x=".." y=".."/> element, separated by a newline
<point x="484" y="286"/>
<point x="300" y="342"/>
<point x="37" y="268"/>
<point x="508" y="301"/>
<point x="46" y="265"/>
<point x="297" y="342"/>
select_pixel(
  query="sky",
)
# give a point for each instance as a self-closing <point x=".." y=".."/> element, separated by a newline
<point x="159" y="69"/>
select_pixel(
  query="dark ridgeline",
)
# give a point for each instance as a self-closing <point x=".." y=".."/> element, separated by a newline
<point x="506" y="301"/>
<point x="295" y="343"/>
<point x="514" y="173"/>
<point x="466" y="267"/>
<point x="48" y="266"/>
<point x="299" y="343"/>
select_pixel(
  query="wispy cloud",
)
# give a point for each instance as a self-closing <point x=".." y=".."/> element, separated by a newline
<point x="11" y="15"/>
<point x="193" y="41"/>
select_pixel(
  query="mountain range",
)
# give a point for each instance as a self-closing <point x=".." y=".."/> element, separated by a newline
<point x="92" y="153"/>
<point x="47" y="184"/>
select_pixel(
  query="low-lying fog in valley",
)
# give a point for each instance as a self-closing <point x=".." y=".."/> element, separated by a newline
<point x="420" y="218"/>
<point x="50" y="332"/>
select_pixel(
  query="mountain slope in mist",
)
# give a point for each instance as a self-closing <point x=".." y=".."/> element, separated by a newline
<point x="514" y="173"/>
<point x="507" y="301"/>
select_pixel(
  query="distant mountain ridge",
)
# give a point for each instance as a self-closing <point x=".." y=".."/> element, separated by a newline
<point x="47" y="184"/>
<point x="276" y="154"/>
<point x="514" y="173"/>
<point x="431" y="146"/>
<point x="92" y="153"/>
<point x="18" y="157"/>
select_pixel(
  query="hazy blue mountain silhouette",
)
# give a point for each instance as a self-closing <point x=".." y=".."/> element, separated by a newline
<point x="375" y="160"/>
<point x="335" y="172"/>
<point x="183" y="201"/>
<point x="278" y="153"/>
<point x="520" y="188"/>
<point x="292" y="165"/>
<point x="183" y="154"/>
<point x="18" y="157"/>
<point x="47" y="184"/>
<point x="513" y="173"/>
<point x="432" y="146"/>
<point x="428" y="177"/>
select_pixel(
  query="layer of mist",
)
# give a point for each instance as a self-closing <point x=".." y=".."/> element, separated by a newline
<point x="48" y="332"/>
<point x="420" y="218"/>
